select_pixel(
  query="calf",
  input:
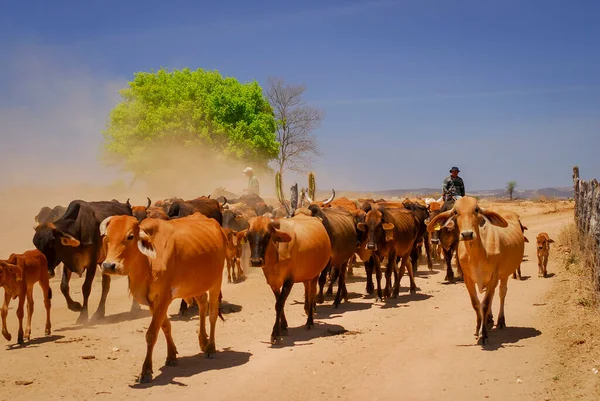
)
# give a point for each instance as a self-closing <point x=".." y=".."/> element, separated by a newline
<point x="446" y="237"/>
<point x="294" y="250"/>
<point x="18" y="274"/>
<point x="233" y="254"/>
<point x="164" y="260"/>
<point x="490" y="249"/>
<point x="543" y="251"/>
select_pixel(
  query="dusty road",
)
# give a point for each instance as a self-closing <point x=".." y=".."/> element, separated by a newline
<point x="417" y="347"/>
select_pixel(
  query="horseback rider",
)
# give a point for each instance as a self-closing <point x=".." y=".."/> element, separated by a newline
<point x="453" y="186"/>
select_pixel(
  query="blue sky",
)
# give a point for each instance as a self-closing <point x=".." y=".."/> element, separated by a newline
<point x="506" y="90"/>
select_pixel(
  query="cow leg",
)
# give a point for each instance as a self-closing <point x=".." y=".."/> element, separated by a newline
<point x="377" y="264"/>
<point x="64" y="288"/>
<point x="391" y="267"/>
<point x="4" y="313"/>
<point x="101" y="311"/>
<point x="369" y="272"/>
<point x="159" y="314"/>
<point x="486" y="308"/>
<point x="240" y="271"/>
<point x="213" y="313"/>
<point x="428" y="251"/>
<point x="517" y="273"/>
<point x="312" y="292"/>
<point x="228" y="261"/>
<point x="458" y="268"/>
<point x="333" y="276"/>
<point x="322" y="280"/>
<point x="341" y="286"/>
<point x="279" y="306"/>
<point x="47" y="293"/>
<point x="545" y="266"/>
<point x="20" y="314"/>
<point x="135" y="306"/>
<point x="30" y="304"/>
<point x="503" y="290"/>
<point x="351" y="264"/>
<point x="411" y="275"/>
<point x="202" y="311"/>
<point x="171" y="348"/>
<point x="183" y="307"/>
<point x="414" y="258"/>
<point x="86" y="289"/>
<point x="448" y="258"/>
<point x="470" y="284"/>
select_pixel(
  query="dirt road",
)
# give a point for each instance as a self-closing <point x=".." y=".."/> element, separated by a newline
<point x="417" y="347"/>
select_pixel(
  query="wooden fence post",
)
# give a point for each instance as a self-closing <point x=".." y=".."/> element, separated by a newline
<point x="576" y="193"/>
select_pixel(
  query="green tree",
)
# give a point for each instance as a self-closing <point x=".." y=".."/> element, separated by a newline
<point x="510" y="188"/>
<point x="190" y="109"/>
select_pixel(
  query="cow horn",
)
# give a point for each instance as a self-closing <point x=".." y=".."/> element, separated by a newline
<point x="149" y="203"/>
<point x="127" y="203"/>
<point x="104" y="225"/>
<point x="330" y="199"/>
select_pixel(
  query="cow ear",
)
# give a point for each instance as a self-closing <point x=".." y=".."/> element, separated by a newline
<point x="550" y="240"/>
<point x="241" y="236"/>
<point x="15" y="264"/>
<point x="440" y="220"/>
<point x="494" y="218"/>
<point x="145" y="246"/>
<point x="450" y="224"/>
<point x="282" y="236"/>
<point x="68" y="240"/>
<point x="361" y="226"/>
<point x="525" y="239"/>
<point x="387" y="226"/>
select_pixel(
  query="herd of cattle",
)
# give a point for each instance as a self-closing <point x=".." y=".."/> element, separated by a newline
<point x="178" y="249"/>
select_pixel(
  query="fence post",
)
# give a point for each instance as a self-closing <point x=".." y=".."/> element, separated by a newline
<point x="576" y="193"/>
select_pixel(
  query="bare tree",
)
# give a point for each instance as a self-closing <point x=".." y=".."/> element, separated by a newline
<point x="295" y="123"/>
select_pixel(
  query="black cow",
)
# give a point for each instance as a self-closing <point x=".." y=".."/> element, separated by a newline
<point x="75" y="240"/>
<point x="422" y="214"/>
<point x="47" y="215"/>
<point x="209" y="207"/>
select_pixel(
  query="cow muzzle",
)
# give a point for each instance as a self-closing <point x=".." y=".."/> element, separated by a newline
<point x="467" y="236"/>
<point x="435" y="241"/>
<point x="256" y="262"/>
<point x="371" y="247"/>
<point x="111" y="268"/>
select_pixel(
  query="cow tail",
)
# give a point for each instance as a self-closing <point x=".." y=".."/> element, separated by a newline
<point x="221" y="309"/>
<point x="49" y="293"/>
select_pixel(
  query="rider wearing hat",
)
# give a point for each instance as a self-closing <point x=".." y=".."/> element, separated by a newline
<point x="253" y="187"/>
<point x="453" y="185"/>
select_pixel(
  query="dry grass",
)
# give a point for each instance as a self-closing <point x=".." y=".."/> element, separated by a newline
<point x="573" y="320"/>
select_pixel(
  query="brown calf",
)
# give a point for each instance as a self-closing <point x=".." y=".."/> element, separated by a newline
<point x="18" y="274"/>
<point x="233" y="254"/>
<point x="543" y="251"/>
<point x="164" y="260"/>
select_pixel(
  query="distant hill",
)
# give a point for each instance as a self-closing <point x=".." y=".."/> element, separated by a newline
<point x="558" y="193"/>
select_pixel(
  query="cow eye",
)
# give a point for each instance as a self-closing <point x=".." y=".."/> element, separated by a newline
<point x="130" y="236"/>
<point x="477" y="209"/>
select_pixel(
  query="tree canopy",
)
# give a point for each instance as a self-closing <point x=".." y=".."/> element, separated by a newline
<point x="189" y="108"/>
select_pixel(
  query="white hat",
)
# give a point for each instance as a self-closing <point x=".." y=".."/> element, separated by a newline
<point x="248" y="170"/>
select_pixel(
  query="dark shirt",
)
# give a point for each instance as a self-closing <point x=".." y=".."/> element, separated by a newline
<point x="457" y="183"/>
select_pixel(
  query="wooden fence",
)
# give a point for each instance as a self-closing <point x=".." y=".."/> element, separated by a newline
<point x="587" y="216"/>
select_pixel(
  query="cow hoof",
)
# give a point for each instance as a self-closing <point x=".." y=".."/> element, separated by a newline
<point x="75" y="307"/>
<point x="171" y="362"/>
<point x="47" y="332"/>
<point x="82" y="319"/>
<point x="501" y="323"/>
<point x="20" y="340"/>
<point x="320" y="298"/>
<point x="275" y="340"/>
<point x="7" y="336"/>
<point x="98" y="316"/>
<point x="413" y="291"/>
<point x="135" y="307"/>
<point x="284" y="332"/>
<point x="482" y="341"/>
<point x="145" y="378"/>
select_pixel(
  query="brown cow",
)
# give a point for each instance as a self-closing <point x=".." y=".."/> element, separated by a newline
<point x="517" y="272"/>
<point x="140" y="212"/>
<point x="164" y="260"/>
<point x="543" y="251"/>
<point x="294" y="250"/>
<point x="233" y="254"/>
<point x="18" y="274"/>
<point x="391" y="233"/>
<point x="490" y="249"/>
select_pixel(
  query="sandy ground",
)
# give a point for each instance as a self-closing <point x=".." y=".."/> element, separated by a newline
<point x="416" y="347"/>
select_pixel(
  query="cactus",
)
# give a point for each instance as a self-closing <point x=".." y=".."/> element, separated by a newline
<point x="312" y="186"/>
